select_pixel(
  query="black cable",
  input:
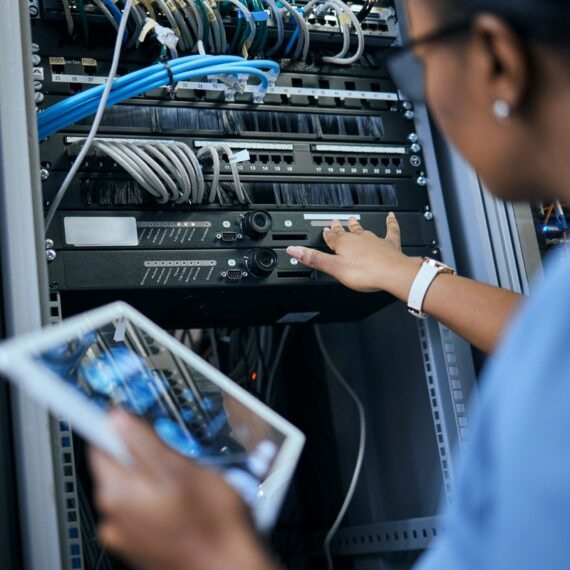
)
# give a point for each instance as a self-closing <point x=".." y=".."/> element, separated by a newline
<point x="261" y="356"/>
<point x="368" y="7"/>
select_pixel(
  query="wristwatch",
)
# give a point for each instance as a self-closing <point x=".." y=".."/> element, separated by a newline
<point x="430" y="269"/>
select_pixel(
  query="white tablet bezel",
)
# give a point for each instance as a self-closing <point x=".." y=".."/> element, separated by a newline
<point x="18" y="365"/>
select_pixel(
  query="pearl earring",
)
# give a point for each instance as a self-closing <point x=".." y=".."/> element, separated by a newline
<point x="501" y="109"/>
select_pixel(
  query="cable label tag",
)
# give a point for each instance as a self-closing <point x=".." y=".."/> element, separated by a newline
<point x="120" y="330"/>
<point x="344" y="19"/>
<point x="181" y="3"/>
<point x="241" y="156"/>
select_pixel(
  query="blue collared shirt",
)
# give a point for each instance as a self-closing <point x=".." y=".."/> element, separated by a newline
<point x="512" y="503"/>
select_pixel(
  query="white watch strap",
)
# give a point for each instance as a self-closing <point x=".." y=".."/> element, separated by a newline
<point x="420" y="287"/>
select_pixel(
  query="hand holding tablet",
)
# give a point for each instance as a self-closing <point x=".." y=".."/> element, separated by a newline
<point x="115" y="357"/>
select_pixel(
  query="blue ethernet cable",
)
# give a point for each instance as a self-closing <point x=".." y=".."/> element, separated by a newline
<point x="84" y="104"/>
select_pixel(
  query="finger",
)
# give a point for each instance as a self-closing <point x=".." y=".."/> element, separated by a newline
<point x="109" y="535"/>
<point x="337" y="227"/>
<point x="354" y="225"/>
<point x="313" y="258"/>
<point x="393" y="230"/>
<point x="331" y="238"/>
<point x="112" y="480"/>
<point x="150" y="453"/>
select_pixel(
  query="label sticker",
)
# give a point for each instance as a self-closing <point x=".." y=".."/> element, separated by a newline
<point x="241" y="156"/>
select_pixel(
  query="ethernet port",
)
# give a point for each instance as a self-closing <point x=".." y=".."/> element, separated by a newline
<point x="340" y="160"/>
<point x="276" y="158"/>
<point x="317" y="159"/>
<point x="329" y="160"/>
<point x="252" y="158"/>
<point x="264" y="158"/>
<point x="386" y="162"/>
<point x="288" y="159"/>
<point x="363" y="160"/>
<point x="352" y="160"/>
<point x="374" y="161"/>
<point x="58" y="68"/>
<point x="397" y="162"/>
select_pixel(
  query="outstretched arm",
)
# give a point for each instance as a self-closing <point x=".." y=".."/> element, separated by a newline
<point x="365" y="262"/>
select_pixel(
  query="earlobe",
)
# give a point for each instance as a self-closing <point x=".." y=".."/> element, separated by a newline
<point x="501" y="110"/>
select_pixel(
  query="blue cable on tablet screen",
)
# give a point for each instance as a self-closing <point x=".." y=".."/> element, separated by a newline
<point x="178" y="439"/>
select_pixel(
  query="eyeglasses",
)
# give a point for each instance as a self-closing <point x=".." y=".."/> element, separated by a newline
<point x="407" y="70"/>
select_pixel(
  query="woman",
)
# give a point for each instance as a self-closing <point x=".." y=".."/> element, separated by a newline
<point x="497" y="79"/>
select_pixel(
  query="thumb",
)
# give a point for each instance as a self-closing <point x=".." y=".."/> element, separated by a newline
<point x="142" y="441"/>
<point x="393" y="230"/>
<point x="312" y="258"/>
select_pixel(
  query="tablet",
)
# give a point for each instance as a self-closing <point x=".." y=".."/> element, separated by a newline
<point x="114" y="356"/>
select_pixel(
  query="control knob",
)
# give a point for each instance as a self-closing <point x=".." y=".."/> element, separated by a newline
<point x="256" y="224"/>
<point x="261" y="262"/>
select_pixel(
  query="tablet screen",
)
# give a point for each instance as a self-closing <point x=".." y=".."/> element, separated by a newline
<point x="121" y="364"/>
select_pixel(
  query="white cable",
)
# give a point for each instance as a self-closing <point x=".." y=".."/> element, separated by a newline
<point x="127" y="163"/>
<point x="171" y="20"/>
<point x="193" y="190"/>
<point x="156" y="169"/>
<point x="134" y="165"/>
<point x="178" y="174"/>
<point x="361" y="446"/>
<point x="215" y="185"/>
<point x="200" y="186"/>
<point x="145" y="171"/>
<point x="240" y="191"/>
<point x="338" y="59"/>
<point x="183" y="174"/>
<point x="97" y="121"/>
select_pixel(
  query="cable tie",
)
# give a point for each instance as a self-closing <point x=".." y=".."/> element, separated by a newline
<point x="171" y="82"/>
<point x="149" y="25"/>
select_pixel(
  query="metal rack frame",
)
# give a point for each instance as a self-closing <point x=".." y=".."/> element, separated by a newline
<point x="25" y="282"/>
